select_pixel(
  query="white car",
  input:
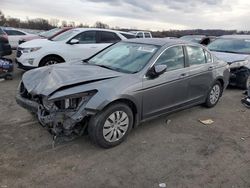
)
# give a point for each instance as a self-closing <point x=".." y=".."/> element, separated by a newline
<point x="142" y="34"/>
<point x="75" y="44"/>
<point x="14" y="35"/>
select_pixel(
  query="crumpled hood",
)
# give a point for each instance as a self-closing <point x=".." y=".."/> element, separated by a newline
<point x="230" y="57"/>
<point x="47" y="80"/>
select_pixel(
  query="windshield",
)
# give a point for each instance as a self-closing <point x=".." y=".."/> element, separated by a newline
<point x="240" y="46"/>
<point x="195" y="39"/>
<point x="125" y="57"/>
<point x="65" y="35"/>
<point x="50" y="33"/>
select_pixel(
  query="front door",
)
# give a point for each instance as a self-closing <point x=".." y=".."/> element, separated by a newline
<point x="169" y="90"/>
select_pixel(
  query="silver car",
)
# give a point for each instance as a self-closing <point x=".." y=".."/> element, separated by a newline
<point x="125" y="84"/>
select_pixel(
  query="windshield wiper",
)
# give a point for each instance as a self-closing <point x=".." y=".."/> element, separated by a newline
<point x="104" y="66"/>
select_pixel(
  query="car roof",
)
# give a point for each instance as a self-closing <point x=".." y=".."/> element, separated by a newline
<point x="98" y="29"/>
<point x="158" y="41"/>
<point x="194" y="36"/>
<point x="235" y="37"/>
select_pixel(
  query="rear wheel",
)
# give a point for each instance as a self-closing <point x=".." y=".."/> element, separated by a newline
<point x="50" y="60"/>
<point x="110" y="127"/>
<point x="214" y="95"/>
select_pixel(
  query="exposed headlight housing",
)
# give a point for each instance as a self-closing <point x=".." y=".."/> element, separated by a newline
<point x="74" y="101"/>
<point x="238" y="64"/>
<point x="28" y="50"/>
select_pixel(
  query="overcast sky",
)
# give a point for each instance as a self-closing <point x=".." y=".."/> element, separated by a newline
<point x="140" y="14"/>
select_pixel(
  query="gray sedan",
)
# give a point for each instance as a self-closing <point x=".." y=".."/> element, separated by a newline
<point x="123" y="85"/>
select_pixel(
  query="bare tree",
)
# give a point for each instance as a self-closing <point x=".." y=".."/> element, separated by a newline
<point x="101" y="25"/>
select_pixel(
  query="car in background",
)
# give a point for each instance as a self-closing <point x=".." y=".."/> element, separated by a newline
<point x="5" y="48"/>
<point x="200" y="39"/>
<point x="14" y="35"/>
<point x="48" y="34"/>
<point x="3" y="35"/>
<point x="142" y="34"/>
<point x="235" y="50"/>
<point x="127" y="83"/>
<point x="74" y="44"/>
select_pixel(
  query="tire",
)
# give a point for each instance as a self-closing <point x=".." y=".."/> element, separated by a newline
<point x="50" y="60"/>
<point x="214" y="95"/>
<point x="102" y="129"/>
<point x="246" y="85"/>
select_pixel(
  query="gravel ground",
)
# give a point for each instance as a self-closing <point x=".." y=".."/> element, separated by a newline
<point x="180" y="153"/>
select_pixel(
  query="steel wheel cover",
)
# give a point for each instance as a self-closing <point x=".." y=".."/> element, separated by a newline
<point x="214" y="94"/>
<point x="115" y="126"/>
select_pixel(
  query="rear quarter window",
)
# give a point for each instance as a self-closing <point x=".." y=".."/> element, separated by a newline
<point x="108" y="37"/>
<point x="128" y="36"/>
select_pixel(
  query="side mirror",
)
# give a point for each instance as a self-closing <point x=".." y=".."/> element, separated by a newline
<point x="156" y="71"/>
<point x="74" y="41"/>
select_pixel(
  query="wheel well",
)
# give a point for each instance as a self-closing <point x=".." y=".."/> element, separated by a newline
<point x="221" y="82"/>
<point x="51" y="55"/>
<point x="129" y="103"/>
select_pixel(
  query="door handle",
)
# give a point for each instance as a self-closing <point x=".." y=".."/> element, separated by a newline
<point x="183" y="75"/>
<point x="210" y="68"/>
<point x="93" y="47"/>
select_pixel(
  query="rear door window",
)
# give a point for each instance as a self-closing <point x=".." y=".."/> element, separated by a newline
<point x="196" y="55"/>
<point x="208" y="56"/>
<point x="107" y="37"/>
<point x="86" y="37"/>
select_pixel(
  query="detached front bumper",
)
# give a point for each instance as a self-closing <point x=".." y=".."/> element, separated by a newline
<point x="58" y="122"/>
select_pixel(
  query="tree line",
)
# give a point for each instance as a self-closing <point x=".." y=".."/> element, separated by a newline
<point x="44" y="24"/>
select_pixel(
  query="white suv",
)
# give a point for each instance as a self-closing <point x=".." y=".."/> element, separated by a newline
<point x="75" y="44"/>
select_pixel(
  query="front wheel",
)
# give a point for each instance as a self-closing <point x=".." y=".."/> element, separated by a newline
<point x="50" y="60"/>
<point x="214" y="95"/>
<point x="110" y="127"/>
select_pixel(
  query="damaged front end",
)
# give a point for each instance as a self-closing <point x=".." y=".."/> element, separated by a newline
<point x="63" y="117"/>
<point x="239" y="73"/>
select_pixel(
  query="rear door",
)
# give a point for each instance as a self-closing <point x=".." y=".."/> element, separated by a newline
<point x="200" y="73"/>
<point x="169" y="90"/>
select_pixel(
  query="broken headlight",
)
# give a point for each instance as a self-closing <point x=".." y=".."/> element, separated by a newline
<point x="74" y="101"/>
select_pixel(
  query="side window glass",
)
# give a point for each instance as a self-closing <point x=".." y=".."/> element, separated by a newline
<point x="139" y="35"/>
<point x="9" y="32"/>
<point x="108" y="37"/>
<point x="208" y="57"/>
<point x="18" y="32"/>
<point x="147" y="35"/>
<point x="87" y="37"/>
<point x="196" y="55"/>
<point x="173" y="58"/>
